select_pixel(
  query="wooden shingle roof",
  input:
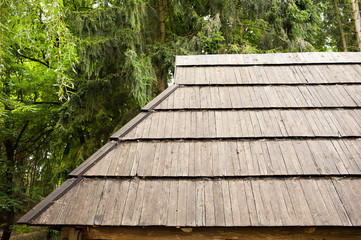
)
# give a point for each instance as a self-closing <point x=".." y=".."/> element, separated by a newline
<point x="237" y="140"/>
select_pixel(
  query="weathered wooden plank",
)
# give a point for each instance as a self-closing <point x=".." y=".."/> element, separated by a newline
<point x="254" y="124"/>
<point x="111" y="205"/>
<point x="271" y="203"/>
<point x="200" y="211"/>
<point x="321" y="187"/>
<point x="328" y="188"/>
<point x="228" y="212"/>
<point x="307" y="162"/>
<point x="133" y="219"/>
<point x="155" y="202"/>
<point x="278" y="125"/>
<point x="278" y="160"/>
<point x="235" y="204"/>
<point x="348" y="124"/>
<point x="303" y="121"/>
<point x="289" y="123"/>
<point x="311" y="100"/>
<point x="258" y="155"/>
<point x="225" y="124"/>
<point x="175" y="159"/>
<point x="233" y="154"/>
<point x="209" y="152"/>
<point x="263" y="120"/>
<point x="182" y="204"/>
<point x="134" y="158"/>
<point x="209" y="204"/>
<point x="130" y="203"/>
<point x="163" y="203"/>
<point x="332" y="158"/>
<point x="92" y="208"/>
<point x="144" y="166"/>
<point x="315" y="203"/>
<point x="148" y="206"/>
<point x="345" y="190"/>
<point x="285" y="197"/>
<point x="191" y="204"/>
<point x="346" y="156"/>
<point x="165" y="169"/>
<point x="242" y="157"/>
<point x="159" y="159"/>
<point x="122" y="194"/>
<point x="173" y="204"/>
<point x="300" y="206"/>
<point x="225" y="163"/>
<point x="218" y="204"/>
<point x="263" y="209"/>
<point x="252" y="163"/>
<point x="351" y="92"/>
<point x="252" y="210"/>
<point x="103" y="202"/>
<point x="118" y="158"/>
<point x="355" y="148"/>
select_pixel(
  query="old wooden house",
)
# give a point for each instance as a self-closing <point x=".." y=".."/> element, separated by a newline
<point x="264" y="146"/>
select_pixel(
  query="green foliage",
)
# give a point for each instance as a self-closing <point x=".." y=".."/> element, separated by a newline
<point x="329" y="37"/>
<point x="138" y="70"/>
<point x="212" y="44"/>
<point x="36" y="54"/>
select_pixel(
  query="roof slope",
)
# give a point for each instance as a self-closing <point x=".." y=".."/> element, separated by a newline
<point x="238" y="140"/>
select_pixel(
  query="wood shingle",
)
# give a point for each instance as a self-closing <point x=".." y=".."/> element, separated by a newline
<point x="265" y="140"/>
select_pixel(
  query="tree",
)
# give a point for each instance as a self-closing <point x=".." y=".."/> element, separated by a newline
<point x="34" y="56"/>
<point x="340" y="26"/>
<point x="356" y="16"/>
<point x="112" y="78"/>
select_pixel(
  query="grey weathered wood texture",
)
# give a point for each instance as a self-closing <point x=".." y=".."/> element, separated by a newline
<point x="277" y="202"/>
<point x="282" y="96"/>
<point x="273" y="58"/>
<point x="232" y="158"/>
<point x="239" y="140"/>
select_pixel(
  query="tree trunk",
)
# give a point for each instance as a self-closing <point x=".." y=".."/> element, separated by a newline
<point x="340" y="26"/>
<point x="162" y="73"/>
<point x="10" y="219"/>
<point x="162" y="80"/>
<point x="356" y="15"/>
<point x="9" y="188"/>
<point x="161" y="15"/>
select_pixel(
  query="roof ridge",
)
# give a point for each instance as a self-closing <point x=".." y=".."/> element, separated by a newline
<point x="230" y="177"/>
<point x="269" y="58"/>
<point x="266" y="84"/>
<point x="266" y="64"/>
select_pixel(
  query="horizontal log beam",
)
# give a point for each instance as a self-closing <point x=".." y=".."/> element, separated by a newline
<point x="163" y="233"/>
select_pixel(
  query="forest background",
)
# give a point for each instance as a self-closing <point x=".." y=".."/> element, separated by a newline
<point x="72" y="72"/>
